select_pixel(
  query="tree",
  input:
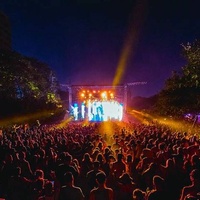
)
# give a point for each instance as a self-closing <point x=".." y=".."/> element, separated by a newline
<point x="26" y="84"/>
<point x="181" y="93"/>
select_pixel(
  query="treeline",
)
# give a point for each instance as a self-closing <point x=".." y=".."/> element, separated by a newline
<point x="181" y="92"/>
<point x="27" y="85"/>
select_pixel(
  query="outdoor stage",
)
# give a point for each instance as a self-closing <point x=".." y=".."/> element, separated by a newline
<point x="97" y="103"/>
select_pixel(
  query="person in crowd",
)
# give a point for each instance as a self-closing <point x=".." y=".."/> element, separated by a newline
<point x="68" y="190"/>
<point x="107" y="152"/>
<point x="37" y="185"/>
<point x="130" y="167"/>
<point x="95" y="152"/>
<point x="18" y="186"/>
<point x="161" y="154"/>
<point x="158" y="192"/>
<point x="102" y="191"/>
<point x="26" y="170"/>
<point x="147" y="176"/>
<point x="194" y="188"/>
<point x="168" y="172"/>
<point x="101" y="160"/>
<point x="66" y="165"/>
<point x="49" y="192"/>
<point x="6" y="171"/>
<point x="138" y="194"/>
<point x="124" y="187"/>
<point x="86" y="164"/>
<point x="91" y="177"/>
<point x="119" y="166"/>
<point x="195" y="161"/>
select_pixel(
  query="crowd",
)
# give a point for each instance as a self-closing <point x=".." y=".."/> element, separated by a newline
<point x="86" y="162"/>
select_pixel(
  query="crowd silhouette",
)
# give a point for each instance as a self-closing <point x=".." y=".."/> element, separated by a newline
<point x="83" y="162"/>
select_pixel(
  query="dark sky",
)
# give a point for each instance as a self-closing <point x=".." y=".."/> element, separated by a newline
<point x="84" y="40"/>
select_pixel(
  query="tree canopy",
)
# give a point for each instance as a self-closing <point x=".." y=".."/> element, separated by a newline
<point x="181" y="93"/>
<point x="26" y="84"/>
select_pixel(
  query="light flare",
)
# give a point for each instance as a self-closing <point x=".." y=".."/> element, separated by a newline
<point x="136" y="21"/>
<point x="20" y="119"/>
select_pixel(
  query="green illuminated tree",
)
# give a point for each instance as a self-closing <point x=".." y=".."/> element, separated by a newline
<point x="25" y="84"/>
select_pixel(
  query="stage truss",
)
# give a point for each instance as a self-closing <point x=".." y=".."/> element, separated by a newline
<point x="90" y="99"/>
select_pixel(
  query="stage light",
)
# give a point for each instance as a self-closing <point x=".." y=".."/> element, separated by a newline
<point x="96" y="105"/>
<point x="103" y="95"/>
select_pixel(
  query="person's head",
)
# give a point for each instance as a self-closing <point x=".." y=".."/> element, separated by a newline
<point x="187" y="165"/>
<point x="17" y="171"/>
<point x="48" y="188"/>
<point x="161" y="146"/>
<point x="138" y="194"/>
<point x="119" y="156"/>
<point x="22" y="155"/>
<point x="195" y="160"/>
<point x="170" y="163"/>
<point x="8" y="158"/>
<point x="101" y="178"/>
<point x="100" y="157"/>
<point x="191" y="197"/>
<point x="125" y="178"/>
<point x="107" y="150"/>
<point x="95" y="152"/>
<point x="39" y="173"/>
<point x="158" y="182"/>
<point x="62" y="156"/>
<point x="86" y="157"/>
<point x="100" y="145"/>
<point x="68" y="178"/>
<point x="195" y="175"/>
<point x="129" y="158"/>
<point x="76" y="162"/>
<point x="96" y="165"/>
<point x="68" y="158"/>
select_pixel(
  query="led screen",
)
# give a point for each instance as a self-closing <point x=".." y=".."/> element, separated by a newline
<point x="97" y="111"/>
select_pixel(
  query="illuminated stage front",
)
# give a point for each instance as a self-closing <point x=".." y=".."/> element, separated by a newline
<point x="97" y="103"/>
<point x="97" y="111"/>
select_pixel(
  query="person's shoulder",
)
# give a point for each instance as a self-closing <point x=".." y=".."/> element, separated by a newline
<point x="158" y="195"/>
<point x="90" y="172"/>
<point x="71" y="167"/>
<point x="109" y="189"/>
<point x="77" y="188"/>
<point x="41" y="198"/>
<point x="151" y="192"/>
<point x="154" y="193"/>
<point x="187" y="187"/>
<point x="93" y="190"/>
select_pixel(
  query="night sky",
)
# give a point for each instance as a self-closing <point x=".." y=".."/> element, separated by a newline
<point x="84" y="40"/>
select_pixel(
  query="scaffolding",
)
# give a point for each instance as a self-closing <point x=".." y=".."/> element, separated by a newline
<point x="121" y="91"/>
